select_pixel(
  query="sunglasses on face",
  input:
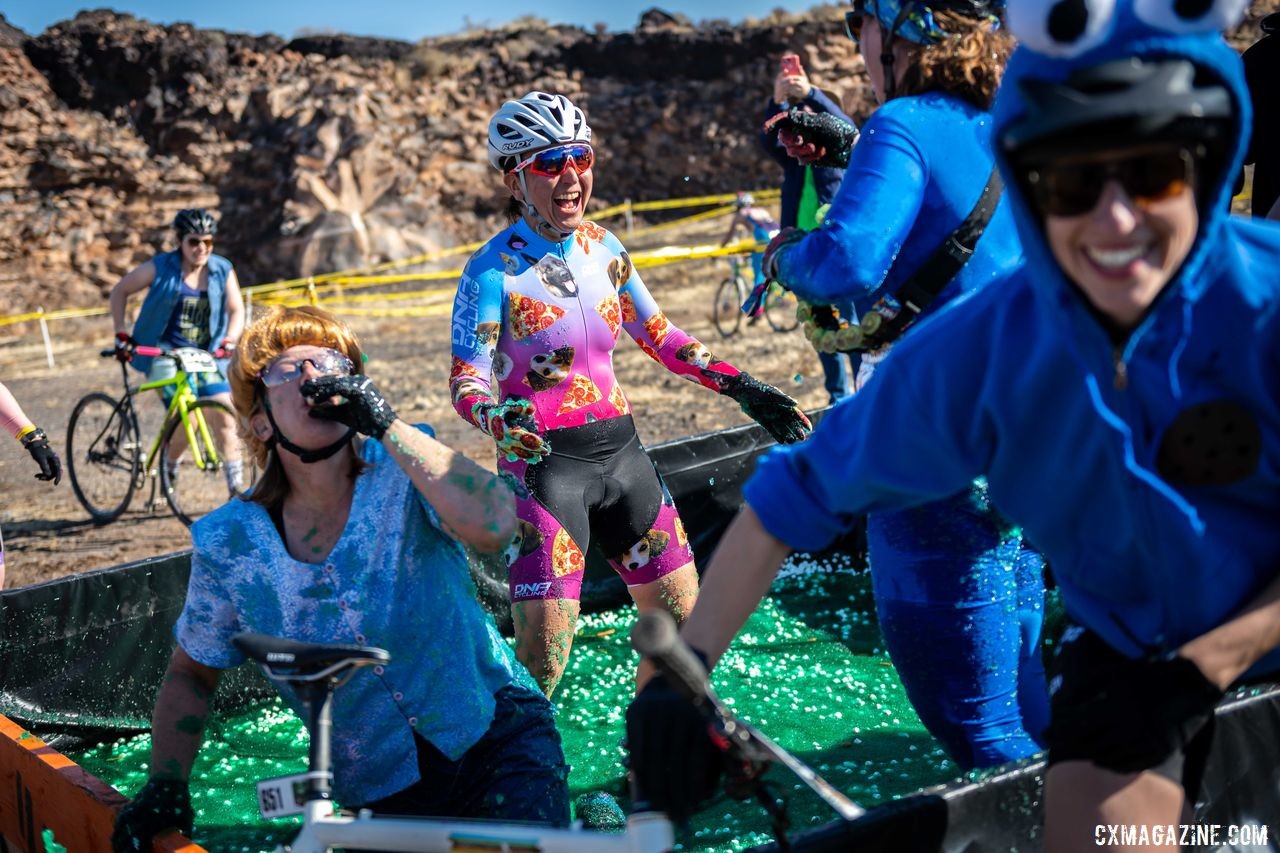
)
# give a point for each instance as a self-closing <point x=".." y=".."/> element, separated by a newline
<point x="853" y="20"/>
<point x="853" y="23"/>
<point x="552" y="162"/>
<point x="325" y="362"/>
<point x="192" y="242"/>
<point x="1073" y="188"/>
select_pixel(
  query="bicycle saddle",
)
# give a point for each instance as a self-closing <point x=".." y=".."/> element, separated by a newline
<point x="290" y="660"/>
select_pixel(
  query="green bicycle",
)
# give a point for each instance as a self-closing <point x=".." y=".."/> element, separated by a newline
<point x="726" y="311"/>
<point x="187" y="458"/>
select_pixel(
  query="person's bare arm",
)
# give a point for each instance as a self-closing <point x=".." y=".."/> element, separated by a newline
<point x="235" y="308"/>
<point x="733" y="226"/>
<point x="138" y="278"/>
<point x="1227" y="651"/>
<point x="474" y="505"/>
<point x="741" y="571"/>
<point x="182" y="709"/>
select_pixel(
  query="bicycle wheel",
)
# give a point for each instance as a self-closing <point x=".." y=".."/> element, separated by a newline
<point x="104" y="456"/>
<point x="726" y="311"/>
<point x="780" y="309"/>
<point x="193" y="477"/>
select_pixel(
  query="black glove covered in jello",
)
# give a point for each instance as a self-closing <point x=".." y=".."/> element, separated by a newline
<point x="37" y="444"/>
<point x="1126" y="715"/>
<point x="362" y="408"/>
<point x="162" y="804"/>
<point x="769" y="407"/>
<point x="830" y="138"/>
<point x="675" y="763"/>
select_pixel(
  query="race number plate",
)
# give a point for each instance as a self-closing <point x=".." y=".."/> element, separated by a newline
<point x="192" y="360"/>
<point x="282" y="797"/>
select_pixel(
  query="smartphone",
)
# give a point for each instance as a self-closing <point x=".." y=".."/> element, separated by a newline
<point x="790" y="65"/>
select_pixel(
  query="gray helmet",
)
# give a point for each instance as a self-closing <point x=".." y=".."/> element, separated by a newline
<point x="195" y="220"/>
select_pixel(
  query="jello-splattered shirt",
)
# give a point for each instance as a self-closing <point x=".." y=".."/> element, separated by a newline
<point x="543" y="318"/>
<point x="393" y="580"/>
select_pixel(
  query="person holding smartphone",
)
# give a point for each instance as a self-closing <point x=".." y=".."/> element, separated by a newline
<point x="807" y="187"/>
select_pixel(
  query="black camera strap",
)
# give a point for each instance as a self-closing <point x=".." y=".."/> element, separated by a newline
<point x="917" y="292"/>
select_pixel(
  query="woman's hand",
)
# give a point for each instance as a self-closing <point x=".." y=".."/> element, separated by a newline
<point x="362" y="408"/>
<point x="769" y="407"/>
<point x="512" y="427"/>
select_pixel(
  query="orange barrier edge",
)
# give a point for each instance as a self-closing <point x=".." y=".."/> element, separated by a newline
<point x="40" y="788"/>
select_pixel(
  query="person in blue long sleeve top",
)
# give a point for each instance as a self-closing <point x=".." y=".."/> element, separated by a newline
<point x="959" y="600"/>
<point x="805" y="188"/>
<point x="1118" y="392"/>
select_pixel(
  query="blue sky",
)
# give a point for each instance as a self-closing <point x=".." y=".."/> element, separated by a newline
<point x="404" y="19"/>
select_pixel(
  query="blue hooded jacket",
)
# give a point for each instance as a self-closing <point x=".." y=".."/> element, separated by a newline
<point x="1021" y="383"/>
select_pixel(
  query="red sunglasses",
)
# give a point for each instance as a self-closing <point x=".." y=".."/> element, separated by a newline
<point x="551" y="162"/>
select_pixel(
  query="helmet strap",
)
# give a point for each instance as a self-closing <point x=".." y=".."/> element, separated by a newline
<point x="540" y="223"/>
<point x="304" y="455"/>
<point x="886" y="50"/>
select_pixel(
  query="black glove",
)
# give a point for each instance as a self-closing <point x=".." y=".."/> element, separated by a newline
<point x="364" y="409"/>
<point x="125" y="345"/>
<point x="769" y="407"/>
<point x="675" y="762"/>
<point x="1125" y="715"/>
<point x="817" y="139"/>
<point x="37" y="444"/>
<point x="162" y="804"/>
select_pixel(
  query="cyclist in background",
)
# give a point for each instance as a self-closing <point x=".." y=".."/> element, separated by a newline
<point x="354" y="535"/>
<point x="539" y="308"/>
<point x="193" y="300"/>
<point x="34" y="441"/>
<point x="763" y="228"/>
<point x="807" y="186"/>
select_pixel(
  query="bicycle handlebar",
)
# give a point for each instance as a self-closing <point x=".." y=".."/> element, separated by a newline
<point x="655" y="636"/>
<point x="139" y="350"/>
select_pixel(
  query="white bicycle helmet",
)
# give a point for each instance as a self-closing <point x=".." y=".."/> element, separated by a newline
<point x="536" y="121"/>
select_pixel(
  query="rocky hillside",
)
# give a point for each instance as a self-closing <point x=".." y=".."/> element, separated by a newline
<point x="329" y="152"/>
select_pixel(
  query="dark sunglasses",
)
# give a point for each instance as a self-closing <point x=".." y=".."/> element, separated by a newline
<point x="192" y="242"/>
<point x="552" y="162"/>
<point x="1073" y="188"/>
<point x="853" y="21"/>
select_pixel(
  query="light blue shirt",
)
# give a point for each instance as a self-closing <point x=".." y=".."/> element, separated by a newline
<point x="394" y="580"/>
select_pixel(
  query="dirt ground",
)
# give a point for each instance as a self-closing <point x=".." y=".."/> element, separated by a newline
<point x="48" y="534"/>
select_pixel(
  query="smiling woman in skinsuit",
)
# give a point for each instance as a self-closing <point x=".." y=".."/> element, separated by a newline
<point x="538" y="313"/>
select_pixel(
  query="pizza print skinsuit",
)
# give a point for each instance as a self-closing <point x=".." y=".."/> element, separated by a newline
<point x="542" y="318"/>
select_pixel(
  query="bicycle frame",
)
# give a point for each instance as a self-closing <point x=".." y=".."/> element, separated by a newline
<point x="646" y="832"/>
<point x="180" y="406"/>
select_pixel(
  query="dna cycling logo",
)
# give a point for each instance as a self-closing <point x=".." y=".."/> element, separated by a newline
<point x="527" y="590"/>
